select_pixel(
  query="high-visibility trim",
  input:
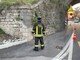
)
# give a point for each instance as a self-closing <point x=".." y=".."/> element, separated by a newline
<point x="42" y="45"/>
<point x="36" y="45"/>
<point x="41" y="27"/>
<point x="37" y="35"/>
<point x="36" y="30"/>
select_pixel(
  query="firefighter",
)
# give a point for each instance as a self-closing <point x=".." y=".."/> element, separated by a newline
<point x="39" y="31"/>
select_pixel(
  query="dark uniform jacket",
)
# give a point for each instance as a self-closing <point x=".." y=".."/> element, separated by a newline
<point x="38" y="29"/>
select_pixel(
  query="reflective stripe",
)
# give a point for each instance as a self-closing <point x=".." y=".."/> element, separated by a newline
<point x="36" y="30"/>
<point x="42" y="45"/>
<point x="37" y="35"/>
<point x="36" y="45"/>
<point x="41" y="28"/>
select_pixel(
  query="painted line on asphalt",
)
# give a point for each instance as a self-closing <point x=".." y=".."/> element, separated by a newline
<point x="63" y="53"/>
<point x="79" y="43"/>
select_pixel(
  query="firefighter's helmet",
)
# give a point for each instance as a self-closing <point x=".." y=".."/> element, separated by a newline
<point x="39" y="18"/>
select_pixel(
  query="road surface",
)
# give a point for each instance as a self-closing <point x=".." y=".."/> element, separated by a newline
<point x="52" y="47"/>
<point x="25" y="51"/>
<point x="76" y="46"/>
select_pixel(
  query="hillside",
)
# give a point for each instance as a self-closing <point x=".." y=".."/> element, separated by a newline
<point x="20" y="1"/>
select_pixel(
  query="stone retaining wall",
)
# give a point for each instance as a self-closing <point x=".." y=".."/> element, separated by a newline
<point x="22" y="29"/>
<point x="13" y="27"/>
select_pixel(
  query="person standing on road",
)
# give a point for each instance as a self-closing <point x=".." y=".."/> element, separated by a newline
<point x="39" y="31"/>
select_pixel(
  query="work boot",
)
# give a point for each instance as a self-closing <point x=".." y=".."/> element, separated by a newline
<point x="36" y="49"/>
<point x="42" y="47"/>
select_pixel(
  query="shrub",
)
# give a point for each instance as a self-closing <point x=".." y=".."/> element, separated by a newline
<point x="34" y="20"/>
<point x="18" y="18"/>
<point x="1" y="31"/>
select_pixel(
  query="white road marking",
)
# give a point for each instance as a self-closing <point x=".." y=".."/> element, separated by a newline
<point x="79" y="43"/>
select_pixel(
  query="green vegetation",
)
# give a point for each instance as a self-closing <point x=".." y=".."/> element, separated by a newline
<point x="18" y="18"/>
<point x="20" y="1"/>
<point x="66" y="7"/>
<point x="1" y="31"/>
<point x="4" y="6"/>
<point x="8" y="1"/>
<point x="54" y="1"/>
<point x="30" y="1"/>
<point x="34" y="20"/>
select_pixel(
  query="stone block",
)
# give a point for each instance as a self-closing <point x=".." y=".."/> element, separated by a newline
<point x="2" y="20"/>
<point x="5" y="23"/>
<point x="11" y="20"/>
<point x="8" y="20"/>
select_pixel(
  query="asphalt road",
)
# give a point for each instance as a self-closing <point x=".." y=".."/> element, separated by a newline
<point x="25" y="51"/>
<point x="76" y="47"/>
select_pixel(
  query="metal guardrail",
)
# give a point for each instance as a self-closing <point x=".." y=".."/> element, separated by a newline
<point x="68" y="49"/>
